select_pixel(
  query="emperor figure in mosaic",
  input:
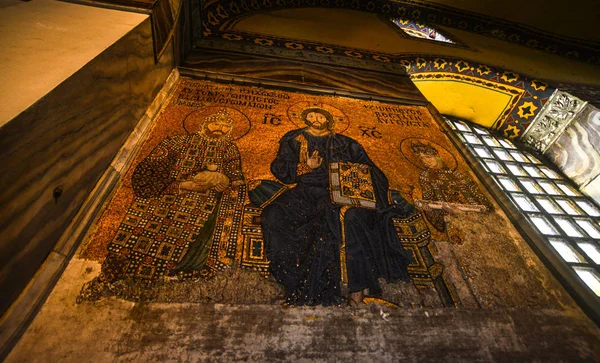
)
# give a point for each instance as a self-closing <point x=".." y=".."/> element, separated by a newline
<point x="185" y="217"/>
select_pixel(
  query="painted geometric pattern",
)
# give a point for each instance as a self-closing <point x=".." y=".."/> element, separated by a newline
<point x="535" y="93"/>
<point x="218" y="13"/>
<point x="513" y="123"/>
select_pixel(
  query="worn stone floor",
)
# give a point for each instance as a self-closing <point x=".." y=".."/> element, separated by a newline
<point x="116" y="330"/>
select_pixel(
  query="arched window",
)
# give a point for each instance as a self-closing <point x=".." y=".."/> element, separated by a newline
<point x="566" y="220"/>
<point x="422" y="31"/>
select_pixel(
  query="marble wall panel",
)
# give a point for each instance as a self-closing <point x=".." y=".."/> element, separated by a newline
<point x="63" y="143"/>
<point x="373" y="82"/>
<point x="592" y="189"/>
<point x="164" y="17"/>
<point x="577" y="150"/>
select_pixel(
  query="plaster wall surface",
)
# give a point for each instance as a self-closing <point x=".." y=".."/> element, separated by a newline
<point x="44" y="42"/>
<point x="593" y="189"/>
<point x="477" y="104"/>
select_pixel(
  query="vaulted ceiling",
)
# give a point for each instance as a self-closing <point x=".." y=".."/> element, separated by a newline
<point x="577" y="19"/>
<point x="373" y="32"/>
<point x="522" y="43"/>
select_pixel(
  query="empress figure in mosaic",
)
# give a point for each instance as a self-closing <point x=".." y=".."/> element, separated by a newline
<point x="307" y="236"/>
<point x="189" y="192"/>
<point x="439" y="183"/>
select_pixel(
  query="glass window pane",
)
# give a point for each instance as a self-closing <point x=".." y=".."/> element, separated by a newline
<point x="588" y="207"/>
<point x="543" y="226"/>
<point x="533" y="171"/>
<point x="568" y="190"/>
<point x="549" y="172"/>
<point x="495" y="167"/>
<point x="503" y="155"/>
<point x="507" y="144"/>
<point x="569" y="227"/>
<point x="568" y="206"/>
<point x="515" y="169"/>
<point x="490" y="141"/>
<point x="508" y="184"/>
<point x="450" y="124"/>
<point x="567" y="252"/>
<point x="519" y="157"/>
<point x="461" y="126"/>
<point x="418" y="30"/>
<point x="590" y="277"/>
<point x="472" y="139"/>
<point x="589" y="227"/>
<point x="549" y="206"/>
<point x="592" y="251"/>
<point x="482" y="152"/>
<point x="524" y="203"/>
<point x="550" y="188"/>
<point x="480" y="131"/>
<point x="531" y="186"/>
<point x="533" y="158"/>
<point x="569" y="221"/>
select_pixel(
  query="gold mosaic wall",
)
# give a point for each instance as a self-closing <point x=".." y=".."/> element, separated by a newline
<point x="463" y="251"/>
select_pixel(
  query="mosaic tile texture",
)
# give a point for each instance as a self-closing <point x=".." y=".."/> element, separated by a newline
<point x="160" y="239"/>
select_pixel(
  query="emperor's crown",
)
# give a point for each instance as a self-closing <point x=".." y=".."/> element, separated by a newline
<point x="220" y="116"/>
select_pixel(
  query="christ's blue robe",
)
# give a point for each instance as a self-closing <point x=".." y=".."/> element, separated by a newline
<point x="303" y="232"/>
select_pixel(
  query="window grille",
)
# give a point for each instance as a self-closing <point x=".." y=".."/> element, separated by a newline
<point x="567" y="220"/>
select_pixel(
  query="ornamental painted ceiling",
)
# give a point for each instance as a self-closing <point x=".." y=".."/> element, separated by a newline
<point x="518" y="65"/>
<point x="218" y="14"/>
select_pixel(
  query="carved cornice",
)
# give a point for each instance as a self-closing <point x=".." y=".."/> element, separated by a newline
<point x="560" y="110"/>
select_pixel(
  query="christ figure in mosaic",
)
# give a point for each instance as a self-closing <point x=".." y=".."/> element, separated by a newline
<point x="334" y="227"/>
<point x="184" y="220"/>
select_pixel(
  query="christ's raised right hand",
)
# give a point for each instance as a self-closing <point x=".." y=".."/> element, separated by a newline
<point x="314" y="161"/>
